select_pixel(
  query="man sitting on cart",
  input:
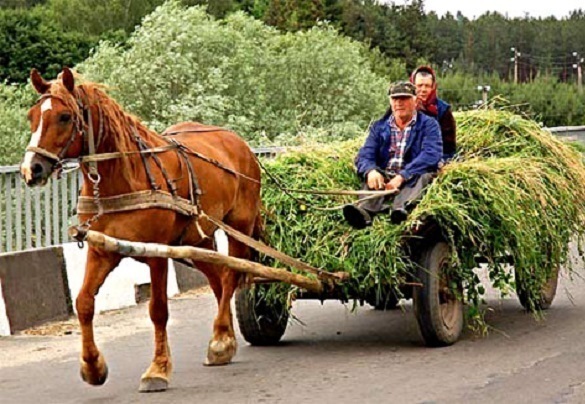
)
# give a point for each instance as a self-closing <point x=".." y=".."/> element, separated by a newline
<point x="402" y="152"/>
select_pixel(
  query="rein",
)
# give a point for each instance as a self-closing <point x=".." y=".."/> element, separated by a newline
<point x="278" y="183"/>
<point x="290" y="191"/>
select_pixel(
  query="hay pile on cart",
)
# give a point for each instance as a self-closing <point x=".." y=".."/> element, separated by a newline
<point x="514" y="195"/>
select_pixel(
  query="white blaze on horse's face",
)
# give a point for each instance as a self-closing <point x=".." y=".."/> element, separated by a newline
<point x="26" y="167"/>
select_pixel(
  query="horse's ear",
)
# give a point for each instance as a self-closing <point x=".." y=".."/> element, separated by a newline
<point x="68" y="79"/>
<point x="38" y="82"/>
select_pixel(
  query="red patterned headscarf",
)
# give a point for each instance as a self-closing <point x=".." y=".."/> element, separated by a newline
<point x="430" y="105"/>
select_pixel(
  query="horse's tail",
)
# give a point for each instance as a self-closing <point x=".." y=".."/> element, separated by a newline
<point x="257" y="234"/>
<point x="258" y="231"/>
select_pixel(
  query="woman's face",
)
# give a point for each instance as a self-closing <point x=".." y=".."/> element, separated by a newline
<point x="424" y="86"/>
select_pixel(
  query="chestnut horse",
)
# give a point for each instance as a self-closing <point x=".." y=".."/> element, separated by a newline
<point x="80" y="120"/>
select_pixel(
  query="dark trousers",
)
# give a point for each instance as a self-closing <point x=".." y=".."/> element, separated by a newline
<point x="410" y="193"/>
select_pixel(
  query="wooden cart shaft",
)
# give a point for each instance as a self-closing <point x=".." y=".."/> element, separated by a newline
<point x="138" y="249"/>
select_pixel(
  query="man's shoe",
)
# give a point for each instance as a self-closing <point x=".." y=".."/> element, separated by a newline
<point x="357" y="217"/>
<point x="398" y="216"/>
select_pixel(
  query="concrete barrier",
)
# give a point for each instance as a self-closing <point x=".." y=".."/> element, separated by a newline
<point x="41" y="285"/>
<point x="34" y="288"/>
<point x="119" y="289"/>
<point x="4" y="323"/>
<point x="187" y="278"/>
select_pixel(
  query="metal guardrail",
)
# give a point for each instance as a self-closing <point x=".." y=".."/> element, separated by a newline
<point x="35" y="217"/>
<point x="575" y="133"/>
<point x="40" y="217"/>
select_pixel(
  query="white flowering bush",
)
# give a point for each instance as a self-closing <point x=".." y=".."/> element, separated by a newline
<point x="181" y="64"/>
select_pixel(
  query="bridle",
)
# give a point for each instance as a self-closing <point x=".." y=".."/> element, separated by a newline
<point x="82" y="126"/>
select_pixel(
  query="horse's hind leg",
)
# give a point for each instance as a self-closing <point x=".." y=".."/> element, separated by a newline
<point x="223" y="346"/>
<point x="99" y="264"/>
<point x="156" y="377"/>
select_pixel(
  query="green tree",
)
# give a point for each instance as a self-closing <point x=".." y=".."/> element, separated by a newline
<point x="218" y="8"/>
<point x="449" y="33"/>
<point x="20" y="3"/>
<point x="97" y="17"/>
<point x="275" y="14"/>
<point x="29" y="39"/>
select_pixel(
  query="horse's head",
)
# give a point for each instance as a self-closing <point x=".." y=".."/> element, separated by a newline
<point x="56" y="123"/>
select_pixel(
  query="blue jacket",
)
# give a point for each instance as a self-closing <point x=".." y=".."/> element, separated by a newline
<point x="422" y="154"/>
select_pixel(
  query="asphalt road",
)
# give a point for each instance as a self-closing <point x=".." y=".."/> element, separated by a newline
<point x="335" y="356"/>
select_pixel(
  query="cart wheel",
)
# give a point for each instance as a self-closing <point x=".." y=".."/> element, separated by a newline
<point x="388" y="302"/>
<point x="260" y="324"/>
<point x="438" y="311"/>
<point x="547" y="293"/>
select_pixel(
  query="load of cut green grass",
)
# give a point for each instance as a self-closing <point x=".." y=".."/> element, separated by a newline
<point x="514" y="191"/>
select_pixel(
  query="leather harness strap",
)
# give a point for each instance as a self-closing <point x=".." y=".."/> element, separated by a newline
<point x="145" y="162"/>
<point x="137" y="200"/>
<point x="42" y="152"/>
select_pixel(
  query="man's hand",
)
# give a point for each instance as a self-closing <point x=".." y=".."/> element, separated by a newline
<point x="375" y="180"/>
<point x="396" y="182"/>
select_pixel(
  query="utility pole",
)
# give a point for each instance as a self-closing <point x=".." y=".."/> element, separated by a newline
<point x="579" y="66"/>
<point x="515" y="60"/>
<point x="484" y="94"/>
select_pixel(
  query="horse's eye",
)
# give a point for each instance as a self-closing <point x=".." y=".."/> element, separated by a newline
<point x="65" y="118"/>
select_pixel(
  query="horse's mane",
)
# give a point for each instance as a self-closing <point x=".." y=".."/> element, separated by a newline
<point x="118" y="126"/>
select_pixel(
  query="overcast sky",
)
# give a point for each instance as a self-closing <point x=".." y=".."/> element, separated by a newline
<point x="514" y="8"/>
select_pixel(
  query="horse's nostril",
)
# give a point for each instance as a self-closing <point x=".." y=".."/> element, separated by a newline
<point x="37" y="169"/>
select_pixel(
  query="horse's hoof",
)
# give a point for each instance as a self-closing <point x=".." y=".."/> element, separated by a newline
<point x="153" y="384"/>
<point x="220" y="352"/>
<point x="91" y="377"/>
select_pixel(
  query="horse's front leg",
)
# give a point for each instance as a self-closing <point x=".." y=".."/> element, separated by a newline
<point x="99" y="264"/>
<point x="156" y="377"/>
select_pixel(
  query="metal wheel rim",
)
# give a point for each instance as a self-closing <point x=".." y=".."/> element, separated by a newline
<point x="550" y="286"/>
<point x="448" y="302"/>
